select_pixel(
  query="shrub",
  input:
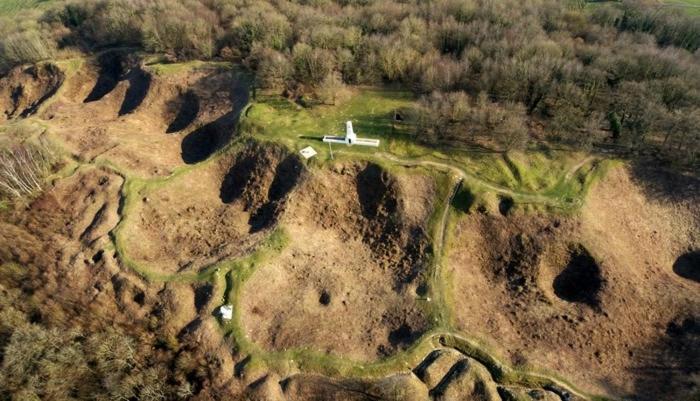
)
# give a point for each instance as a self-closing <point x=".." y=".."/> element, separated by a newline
<point x="272" y="68"/>
<point x="311" y="65"/>
<point x="186" y="30"/>
<point x="260" y="24"/>
<point x="22" y="47"/>
<point x="454" y="118"/>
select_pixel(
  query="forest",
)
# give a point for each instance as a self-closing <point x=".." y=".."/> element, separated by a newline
<point x="500" y="74"/>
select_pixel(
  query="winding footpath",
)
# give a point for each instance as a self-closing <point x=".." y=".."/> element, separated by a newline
<point x="454" y="340"/>
<point x="472" y="180"/>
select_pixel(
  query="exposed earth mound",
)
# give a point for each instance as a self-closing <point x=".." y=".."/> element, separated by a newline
<point x="588" y="295"/>
<point x="352" y="267"/>
<point x="156" y="190"/>
<point x="119" y="109"/>
<point x="76" y="212"/>
<point x="444" y="374"/>
<point x="261" y="178"/>
<point x="24" y="89"/>
<point x="214" y="212"/>
<point x="67" y="273"/>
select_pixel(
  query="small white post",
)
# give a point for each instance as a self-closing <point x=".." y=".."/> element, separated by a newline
<point x="331" y="149"/>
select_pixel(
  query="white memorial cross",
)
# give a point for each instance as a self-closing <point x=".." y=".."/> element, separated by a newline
<point x="350" y="138"/>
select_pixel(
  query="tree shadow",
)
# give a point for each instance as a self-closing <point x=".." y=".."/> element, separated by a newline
<point x="311" y="138"/>
<point x="201" y="143"/>
<point x="688" y="265"/>
<point x="463" y="201"/>
<point x="372" y="189"/>
<point x="665" y="369"/>
<point x="664" y="182"/>
<point x="202" y="295"/>
<point x="287" y="174"/>
<point x="237" y="178"/>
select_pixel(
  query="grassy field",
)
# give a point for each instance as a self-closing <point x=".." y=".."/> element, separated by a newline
<point x="11" y="7"/>
<point x="691" y="7"/>
<point x="552" y="176"/>
<point x="370" y="110"/>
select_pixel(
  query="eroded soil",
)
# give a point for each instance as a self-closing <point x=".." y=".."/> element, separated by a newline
<point x="215" y="212"/>
<point x="116" y="109"/>
<point x="605" y="296"/>
<point x="358" y="249"/>
<point x="590" y="295"/>
<point x="24" y="89"/>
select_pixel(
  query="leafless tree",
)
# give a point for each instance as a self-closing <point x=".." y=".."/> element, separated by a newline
<point x="23" y="168"/>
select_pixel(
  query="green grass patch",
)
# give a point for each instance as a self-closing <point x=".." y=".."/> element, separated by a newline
<point x="370" y="110"/>
<point x="439" y="225"/>
<point x="690" y="7"/>
<point x="541" y="177"/>
<point x="12" y="7"/>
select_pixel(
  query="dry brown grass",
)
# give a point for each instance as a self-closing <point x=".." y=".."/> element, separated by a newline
<point x="506" y="272"/>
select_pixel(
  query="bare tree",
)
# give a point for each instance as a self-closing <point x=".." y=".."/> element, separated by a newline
<point x="23" y="168"/>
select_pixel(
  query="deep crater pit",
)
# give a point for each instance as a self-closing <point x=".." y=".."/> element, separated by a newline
<point x="213" y="212"/>
<point x="355" y="257"/>
<point x="688" y="266"/>
<point x="581" y="279"/>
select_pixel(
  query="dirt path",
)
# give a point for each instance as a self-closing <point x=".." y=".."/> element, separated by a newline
<point x="577" y="167"/>
<point x="476" y="181"/>
<point x="442" y="229"/>
<point x="469" y="348"/>
<point x="460" y="343"/>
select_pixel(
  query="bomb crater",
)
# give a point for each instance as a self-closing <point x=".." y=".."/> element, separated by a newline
<point x="581" y="280"/>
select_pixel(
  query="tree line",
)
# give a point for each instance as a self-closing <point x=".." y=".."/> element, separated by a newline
<point x="497" y="72"/>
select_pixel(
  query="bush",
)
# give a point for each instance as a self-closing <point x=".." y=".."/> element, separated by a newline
<point x="272" y="69"/>
<point x="186" y="30"/>
<point x="23" y="47"/>
<point x="40" y="363"/>
<point x="311" y="65"/>
<point x="260" y="24"/>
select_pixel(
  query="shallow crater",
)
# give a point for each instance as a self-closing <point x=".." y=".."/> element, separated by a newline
<point x="356" y="255"/>
<point x="580" y="281"/>
<point x="188" y="224"/>
<point x="688" y="266"/>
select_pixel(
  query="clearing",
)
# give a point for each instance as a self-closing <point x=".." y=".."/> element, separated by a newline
<point x="400" y="270"/>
